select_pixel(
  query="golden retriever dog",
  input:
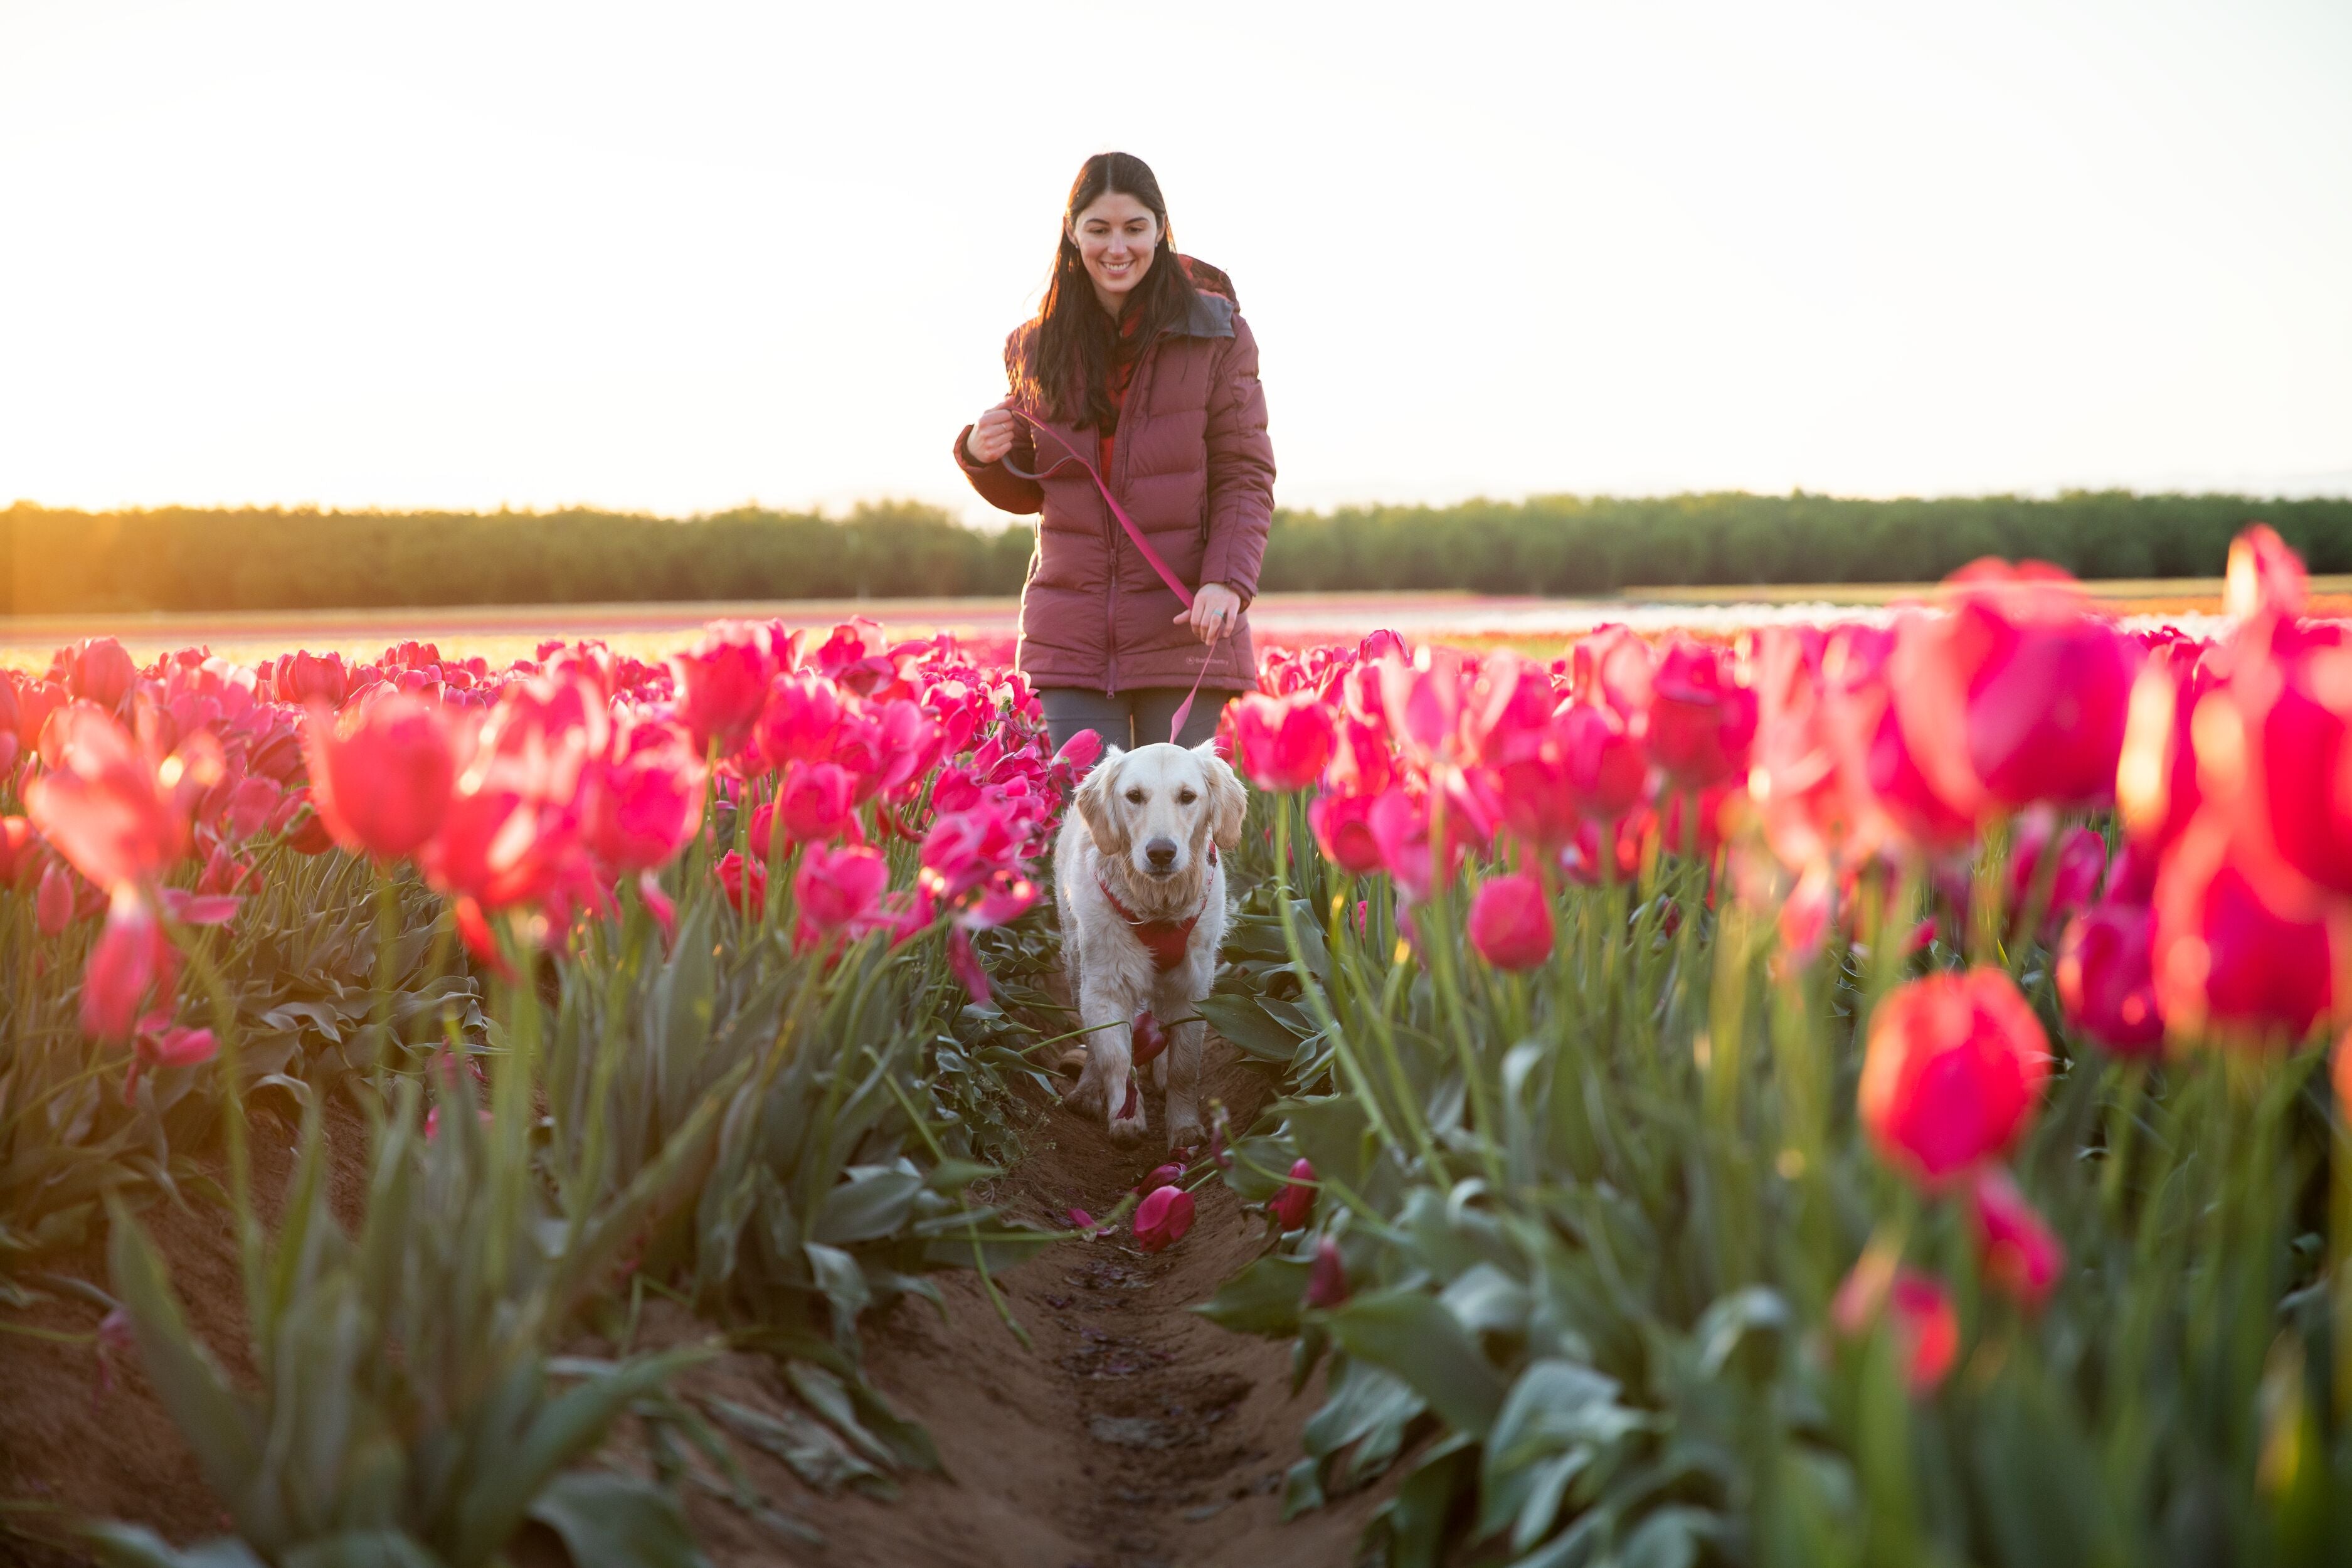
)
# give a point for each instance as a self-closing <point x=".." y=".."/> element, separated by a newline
<point x="1141" y="890"/>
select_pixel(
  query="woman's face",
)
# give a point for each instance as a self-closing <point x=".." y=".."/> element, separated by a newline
<point x="1116" y="236"/>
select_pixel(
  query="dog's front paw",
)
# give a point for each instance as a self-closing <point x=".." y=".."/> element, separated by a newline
<point x="1128" y="1127"/>
<point x="1090" y="1096"/>
<point x="1186" y="1134"/>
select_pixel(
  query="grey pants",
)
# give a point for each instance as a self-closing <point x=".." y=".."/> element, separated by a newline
<point x="1131" y="719"/>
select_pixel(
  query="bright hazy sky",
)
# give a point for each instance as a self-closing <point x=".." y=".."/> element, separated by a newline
<point x="675" y="257"/>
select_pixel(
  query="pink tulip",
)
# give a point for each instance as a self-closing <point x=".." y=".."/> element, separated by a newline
<point x="20" y="852"/>
<point x="837" y="889"/>
<point x="1511" y="923"/>
<point x="1080" y="753"/>
<point x="380" y="775"/>
<point x="647" y="800"/>
<point x="2156" y="794"/>
<point x="1080" y="1219"/>
<point x="2082" y="862"/>
<point x="1952" y="1072"/>
<point x="1282" y="742"/>
<point x="2227" y="961"/>
<point x="963" y="962"/>
<point x="2015" y="1250"/>
<point x="722" y="683"/>
<point x="1162" y="1219"/>
<point x="1361" y="763"/>
<point x="1293" y="1204"/>
<point x="1422" y="700"/>
<point x="2298" y="723"/>
<point x="2019" y="694"/>
<point x="800" y="718"/>
<point x="816" y="801"/>
<point x="35" y="700"/>
<point x="53" y="906"/>
<point x="1343" y="830"/>
<point x="1146" y="1038"/>
<point x="1702" y="723"/>
<point x="96" y="670"/>
<point x="172" y="1047"/>
<point x="1326" y="1280"/>
<point x="2106" y="978"/>
<point x="131" y="958"/>
<point x="1400" y="825"/>
<point x="1160" y="1176"/>
<point x="109" y="808"/>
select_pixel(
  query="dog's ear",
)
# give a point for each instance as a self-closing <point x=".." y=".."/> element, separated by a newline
<point x="1228" y="796"/>
<point x="1098" y="808"/>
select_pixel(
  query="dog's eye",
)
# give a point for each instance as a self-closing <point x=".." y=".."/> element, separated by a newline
<point x="1136" y="796"/>
<point x="1185" y="797"/>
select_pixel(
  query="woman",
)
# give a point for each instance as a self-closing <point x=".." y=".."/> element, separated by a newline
<point x="1138" y="369"/>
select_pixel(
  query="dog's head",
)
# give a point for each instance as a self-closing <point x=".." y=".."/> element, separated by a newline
<point x="1158" y="807"/>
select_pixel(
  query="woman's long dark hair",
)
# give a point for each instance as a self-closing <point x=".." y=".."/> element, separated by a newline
<point x="1071" y="350"/>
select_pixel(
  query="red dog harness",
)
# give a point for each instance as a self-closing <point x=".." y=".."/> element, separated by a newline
<point x="1165" y="940"/>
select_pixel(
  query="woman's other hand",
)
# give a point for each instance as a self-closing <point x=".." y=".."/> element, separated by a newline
<point x="992" y="436"/>
<point x="1215" y="608"/>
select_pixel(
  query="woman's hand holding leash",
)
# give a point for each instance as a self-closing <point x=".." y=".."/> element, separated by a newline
<point x="992" y="436"/>
<point x="1216" y="608"/>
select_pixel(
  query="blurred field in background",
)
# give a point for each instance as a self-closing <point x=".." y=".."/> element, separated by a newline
<point x="1532" y="625"/>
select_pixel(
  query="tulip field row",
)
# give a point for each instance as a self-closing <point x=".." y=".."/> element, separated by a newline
<point x="1848" y="1093"/>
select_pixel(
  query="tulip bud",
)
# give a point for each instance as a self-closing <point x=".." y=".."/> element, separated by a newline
<point x="746" y="884"/>
<point x="1160" y="1176"/>
<point x="1511" y="923"/>
<point x="380" y="775"/>
<point x="1953" y="1068"/>
<point x="1162" y="1219"/>
<point x="1327" y="1280"/>
<point x="1291" y="1206"/>
<point x="53" y="906"/>
<point x="1147" y="1038"/>
<point x="2015" y="1248"/>
<point x="1927" y="1325"/>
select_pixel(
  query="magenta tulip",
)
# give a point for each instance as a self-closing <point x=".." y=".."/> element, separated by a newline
<point x="1162" y="1219"/>
<point x="1511" y="922"/>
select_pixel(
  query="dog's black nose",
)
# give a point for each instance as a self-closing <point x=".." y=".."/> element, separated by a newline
<point x="1162" y="853"/>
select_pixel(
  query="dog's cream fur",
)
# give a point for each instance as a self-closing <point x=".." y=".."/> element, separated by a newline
<point x="1129" y="803"/>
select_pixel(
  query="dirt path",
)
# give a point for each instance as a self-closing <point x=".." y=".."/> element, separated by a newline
<point x="1137" y="1435"/>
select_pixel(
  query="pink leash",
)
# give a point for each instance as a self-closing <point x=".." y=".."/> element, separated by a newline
<point x="1135" y="537"/>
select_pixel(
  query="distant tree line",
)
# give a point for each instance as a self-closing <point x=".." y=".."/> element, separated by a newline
<point x="179" y="558"/>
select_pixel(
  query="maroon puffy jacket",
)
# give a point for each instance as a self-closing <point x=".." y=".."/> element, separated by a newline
<point x="1194" y="468"/>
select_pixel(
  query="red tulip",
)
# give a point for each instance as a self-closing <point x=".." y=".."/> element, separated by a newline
<point x="1343" y="824"/>
<point x="1927" y="1325"/>
<point x="1607" y="851"/>
<point x="2106" y="978"/>
<point x="1702" y="723"/>
<point x="515" y="832"/>
<point x="837" y="889"/>
<point x="1399" y="825"/>
<point x="2015" y="1248"/>
<point x="1511" y="923"/>
<point x="2017" y="694"/>
<point x="2227" y="961"/>
<point x="1614" y="665"/>
<point x="1953" y="1068"/>
<point x="1282" y="742"/>
<point x="1162" y="1219"/>
<point x="1327" y="1280"/>
<point x="1293" y="1204"/>
<point x="1605" y="765"/>
<point x="648" y="799"/>
<point x="381" y="774"/>
<point x="722" y="683"/>
<point x="745" y="884"/>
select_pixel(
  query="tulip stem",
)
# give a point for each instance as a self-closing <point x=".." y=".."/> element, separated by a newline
<point x="2122" y="1120"/>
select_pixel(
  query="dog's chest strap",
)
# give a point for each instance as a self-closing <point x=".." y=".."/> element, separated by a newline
<point x="1164" y="939"/>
